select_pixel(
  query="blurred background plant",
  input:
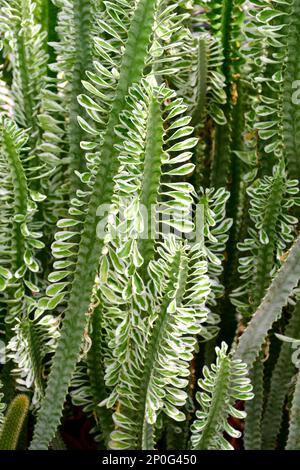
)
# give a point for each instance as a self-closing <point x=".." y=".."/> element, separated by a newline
<point x="127" y="321"/>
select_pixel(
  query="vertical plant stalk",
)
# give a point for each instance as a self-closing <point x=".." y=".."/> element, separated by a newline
<point x="221" y="386"/>
<point x="221" y="395"/>
<point x="230" y="29"/>
<point x="151" y="177"/>
<point x="20" y="193"/>
<point x="254" y="409"/>
<point x="95" y="369"/>
<point x="293" y="442"/>
<point x="236" y="200"/>
<point x="179" y="265"/>
<point x="291" y="106"/>
<point x="280" y="380"/>
<point x="83" y="58"/>
<point x="90" y="246"/>
<point x="202" y="78"/>
<point x="13" y="423"/>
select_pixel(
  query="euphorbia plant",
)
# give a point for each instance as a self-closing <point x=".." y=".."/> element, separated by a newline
<point x="149" y="250"/>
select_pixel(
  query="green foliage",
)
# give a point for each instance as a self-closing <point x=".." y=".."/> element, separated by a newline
<point x="148" y="213"/>
<point x="253" y="432"/>
<point x="293" y="442"/>
<point x="270" y="308"/>
<point x="282" y="375"/>
<point x="2" y="406"/>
